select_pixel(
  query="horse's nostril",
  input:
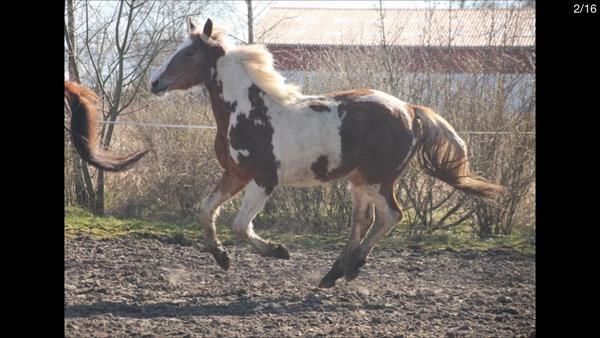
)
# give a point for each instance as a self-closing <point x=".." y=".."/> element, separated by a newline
<point x="155" y="84"/>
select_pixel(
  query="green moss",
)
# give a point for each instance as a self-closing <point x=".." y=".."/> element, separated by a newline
<point x="79" y="222"/>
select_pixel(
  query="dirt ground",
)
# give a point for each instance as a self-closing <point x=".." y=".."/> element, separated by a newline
<point x="149" y="288"/>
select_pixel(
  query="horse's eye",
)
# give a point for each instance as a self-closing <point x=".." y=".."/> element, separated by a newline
<point x="189" y="54"/>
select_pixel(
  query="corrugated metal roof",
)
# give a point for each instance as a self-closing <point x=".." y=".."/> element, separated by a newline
<point x="403" y="27"/>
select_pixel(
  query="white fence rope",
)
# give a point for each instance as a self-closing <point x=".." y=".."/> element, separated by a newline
<point x="190" y="126"/>
<point x="158" y="125"/>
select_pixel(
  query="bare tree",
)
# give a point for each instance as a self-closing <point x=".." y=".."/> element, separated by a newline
<point x="250" y="22"/>
<point x="84" y="191"/>
<point x="121" y="40"/>
<point x="252" y="11"/>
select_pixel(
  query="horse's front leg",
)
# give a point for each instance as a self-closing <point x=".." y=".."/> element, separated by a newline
<point x="253" y="201"/>
<point x="227" y="187"/>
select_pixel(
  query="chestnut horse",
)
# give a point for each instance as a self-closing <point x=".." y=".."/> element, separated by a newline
<point x="80" y="102"/>
<point x="269" y="134"/>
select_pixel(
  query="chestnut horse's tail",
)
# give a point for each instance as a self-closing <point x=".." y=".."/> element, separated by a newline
<point x="443" y="155"/>
<point x="80" y="101"/>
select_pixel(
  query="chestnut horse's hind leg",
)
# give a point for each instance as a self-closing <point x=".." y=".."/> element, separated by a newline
<point x="362" y="219"/>
<point x="253" y="201"/>
<point x="390" y="214"/>
<point x="227" y="187"/>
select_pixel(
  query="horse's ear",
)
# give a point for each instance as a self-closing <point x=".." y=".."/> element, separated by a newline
<point x="208" y="28"/>
<point x="191" y="26"/>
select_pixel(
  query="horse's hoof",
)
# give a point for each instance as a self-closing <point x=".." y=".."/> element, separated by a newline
<point x="353" y="268"/>
<point x="327" y="282"/>
<point x="351" y="275"/>
<point x="280" y="252"/>
<point x="221" y="257"/>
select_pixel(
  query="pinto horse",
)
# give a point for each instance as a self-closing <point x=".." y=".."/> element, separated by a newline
<point x="80" y="102"/>
<point x="269" y="134"/>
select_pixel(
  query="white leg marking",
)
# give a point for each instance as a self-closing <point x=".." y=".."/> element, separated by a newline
<point x="253" y="201"/>
<point x="211" y="205"/>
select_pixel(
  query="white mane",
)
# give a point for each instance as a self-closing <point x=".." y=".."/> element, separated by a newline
<point x="258" y="62"/>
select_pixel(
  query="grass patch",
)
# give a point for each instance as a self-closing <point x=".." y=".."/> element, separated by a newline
<point x="79" y="222"/>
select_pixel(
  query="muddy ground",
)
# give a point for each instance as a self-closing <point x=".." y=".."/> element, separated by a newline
<point x="145" y="287"/>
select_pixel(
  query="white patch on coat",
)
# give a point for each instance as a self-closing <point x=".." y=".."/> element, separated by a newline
<point x="235" y="153"/>
<point x="158" y="72"/>
<point x="300" y="137"/>
<point x="300" y="134"/>
<point x="235" y="85"/>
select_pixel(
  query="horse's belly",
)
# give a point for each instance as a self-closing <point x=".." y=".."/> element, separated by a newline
<point x="302" y="183"/>
<point x="299" y="177"/>
<point x="301" y="157"/>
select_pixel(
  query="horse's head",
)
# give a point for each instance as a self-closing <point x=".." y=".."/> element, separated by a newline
<point x="191" y="63"/>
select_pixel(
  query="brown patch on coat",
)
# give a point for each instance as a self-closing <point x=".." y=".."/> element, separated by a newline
<point x="349" y="95"/>
<point x="381" y="137"/>
<point x="222" y="111"/>
<point x="260" y="163"/>
<point x="319" y="167"/>
<point x="376" y="141"/>
<point x="319" y="107"/>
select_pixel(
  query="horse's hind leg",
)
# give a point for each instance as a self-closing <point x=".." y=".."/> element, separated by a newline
<point x="362" y="219"/>
<point x="389" y="214"/>
<point x="253" y="201"/>
<point x="227" y="187"/>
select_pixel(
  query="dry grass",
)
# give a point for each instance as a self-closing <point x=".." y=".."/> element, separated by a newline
<point x="181" y="168"/>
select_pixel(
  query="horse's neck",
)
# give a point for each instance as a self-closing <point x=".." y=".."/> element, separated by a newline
<point x="228" y="90"/>
<point x="235" y="80"/>
<point x="221" y="109"/>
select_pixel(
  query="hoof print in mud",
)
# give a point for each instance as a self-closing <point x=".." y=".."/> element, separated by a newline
<point x="277" y="251"/>
<point x="222" y="258"/>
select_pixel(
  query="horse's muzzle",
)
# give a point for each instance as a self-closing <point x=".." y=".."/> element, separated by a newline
<point x="157" y="87"/>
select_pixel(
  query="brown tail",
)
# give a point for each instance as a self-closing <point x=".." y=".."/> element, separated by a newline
<point x="81" y="101"/>
<point x="443" y="155"/>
